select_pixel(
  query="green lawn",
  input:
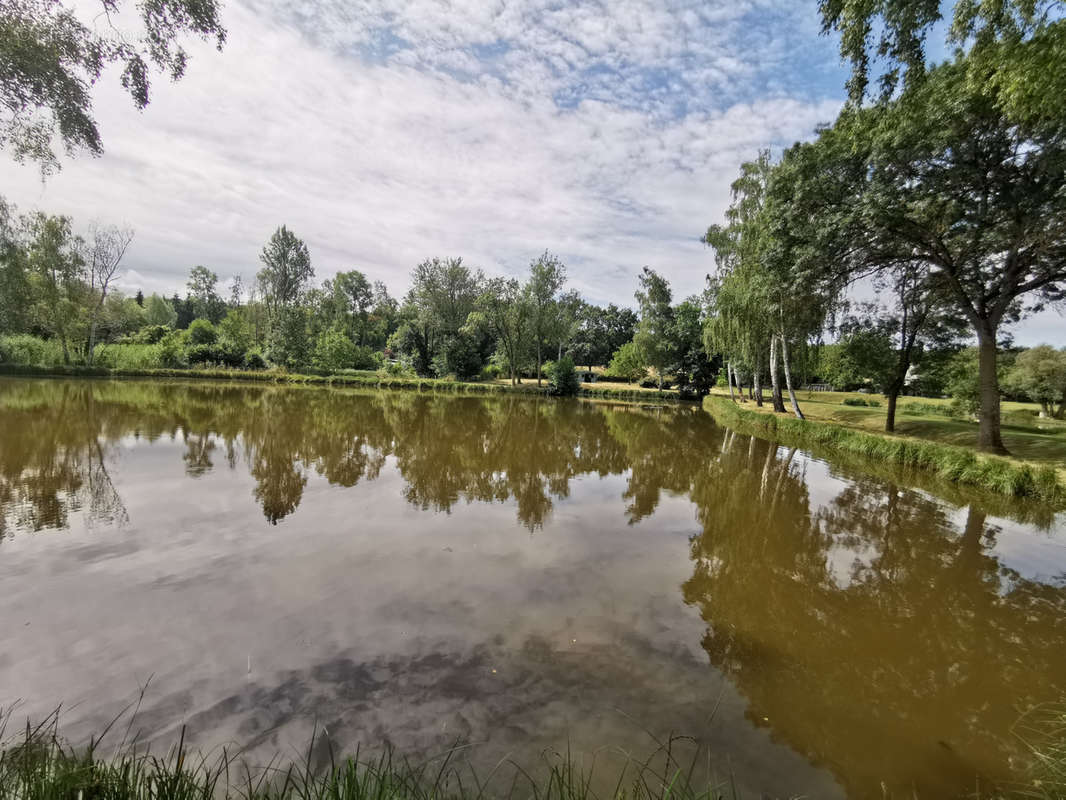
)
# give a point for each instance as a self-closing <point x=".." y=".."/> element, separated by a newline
<point x="1039" y="441"/>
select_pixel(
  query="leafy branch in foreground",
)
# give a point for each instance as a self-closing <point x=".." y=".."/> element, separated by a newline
<point x="50" y="59"/>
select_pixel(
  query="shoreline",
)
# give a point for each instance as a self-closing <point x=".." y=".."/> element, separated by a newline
<point x="1001" y="477"/>
<point x="370" y="380"/>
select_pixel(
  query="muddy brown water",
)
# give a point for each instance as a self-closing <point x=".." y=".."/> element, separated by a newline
<point x="521" y="576"/>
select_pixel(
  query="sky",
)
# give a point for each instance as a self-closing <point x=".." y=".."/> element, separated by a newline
<point x="386" y="132"/>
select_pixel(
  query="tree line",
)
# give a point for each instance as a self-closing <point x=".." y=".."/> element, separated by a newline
<point x="56" y="284"/>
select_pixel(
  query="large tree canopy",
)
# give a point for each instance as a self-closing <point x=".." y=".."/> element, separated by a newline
<point x="943" y="177"/>
<point x="50" y="59"/>
<point x="1015" y="48"/>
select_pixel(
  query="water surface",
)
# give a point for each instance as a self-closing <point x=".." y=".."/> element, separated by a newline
<point x="522" y="575"/>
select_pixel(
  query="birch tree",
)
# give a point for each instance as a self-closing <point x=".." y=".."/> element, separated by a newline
<point x="104" y="250"/>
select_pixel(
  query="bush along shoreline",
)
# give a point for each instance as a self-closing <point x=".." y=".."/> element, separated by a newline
<point x="957" y="465"/>
<point x="367" y="379"/>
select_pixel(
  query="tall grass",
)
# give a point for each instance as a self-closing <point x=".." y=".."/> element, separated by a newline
<point x="23" y="348"/>
<point x="946" y="462"/>
<point x="129" y="356"/>
<point x="1043" y="732"/>
<point x="38" y="765"/>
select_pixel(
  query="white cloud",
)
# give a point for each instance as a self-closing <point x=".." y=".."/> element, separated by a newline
<point x="379" y="162"/>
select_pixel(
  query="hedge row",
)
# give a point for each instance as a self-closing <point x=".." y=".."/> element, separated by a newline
<point x="958" y="465"/>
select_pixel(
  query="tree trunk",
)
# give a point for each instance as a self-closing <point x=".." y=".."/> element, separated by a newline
<point x="92" y="327"/>
<point x="890" y="416"/>
<point x="988" y="433"/>
<point x="729" y="379"/>
<point x="788" y="378"/>
<point x="775" y="382"/>
<point x="539" y="362"/>
<point x="756" y="379"/>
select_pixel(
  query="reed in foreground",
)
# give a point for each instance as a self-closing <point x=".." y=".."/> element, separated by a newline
<point x="39" y="765"/>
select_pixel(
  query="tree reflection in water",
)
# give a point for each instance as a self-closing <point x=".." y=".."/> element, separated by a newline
<point x="876" y="630"/>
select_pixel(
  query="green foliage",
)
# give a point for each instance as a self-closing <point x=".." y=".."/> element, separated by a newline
<point x="600" y="332"/>
<point x="629" y="362"/>
<point x="1013" y="47"/>
<point x="1039" y="374"/>
<point x="862" y="357"/>
<point x="150" y="334"/>
<point x="654" y="339"/>
<point x="563" y="380"/>
<point x="695" y="372"/>
<point x="334" y="351"/>
<point x="201" y="332"/>
<point x="286" y="271"/>
<point x="51" y="59"/>
<point x="547" y="275"/>
<point x="203" y="296"/>
<point x="129" y="356"/>
<point x="254" y="360"/>
<point x="26" y="349"/>
<point x="861" y="401"/>
<point x="203" y="354"/>
<point x="172" y="351"/>
<point x="287" y="342"/>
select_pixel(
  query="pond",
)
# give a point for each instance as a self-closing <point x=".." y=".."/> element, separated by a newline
<point x="520" y="575"/>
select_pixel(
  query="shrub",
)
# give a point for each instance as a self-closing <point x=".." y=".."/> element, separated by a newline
<point x="201" y="331"/>
<point x="150" y="334"/>
<point x="26" y="349"/>
<point x="253" y="359"/>
<point x="460" y="356"/>
<point x="628" y="361"/>
<point x="653" y="383"/>
<point x="203" y="354"/>
<point x="400" y="368"/>
<point x="334" y="351"/>
<point x="563" y="379"/>
<point x="366" y="358"/>
<point x="607" y="377"/>
<point x="171" y="353"/>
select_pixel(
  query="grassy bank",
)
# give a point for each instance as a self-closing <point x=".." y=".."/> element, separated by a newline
<point x="374" y="380"/>
<point x="946" y="462"/>
<point x="1029" y="438"/>
<point x="38" y="765"/>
